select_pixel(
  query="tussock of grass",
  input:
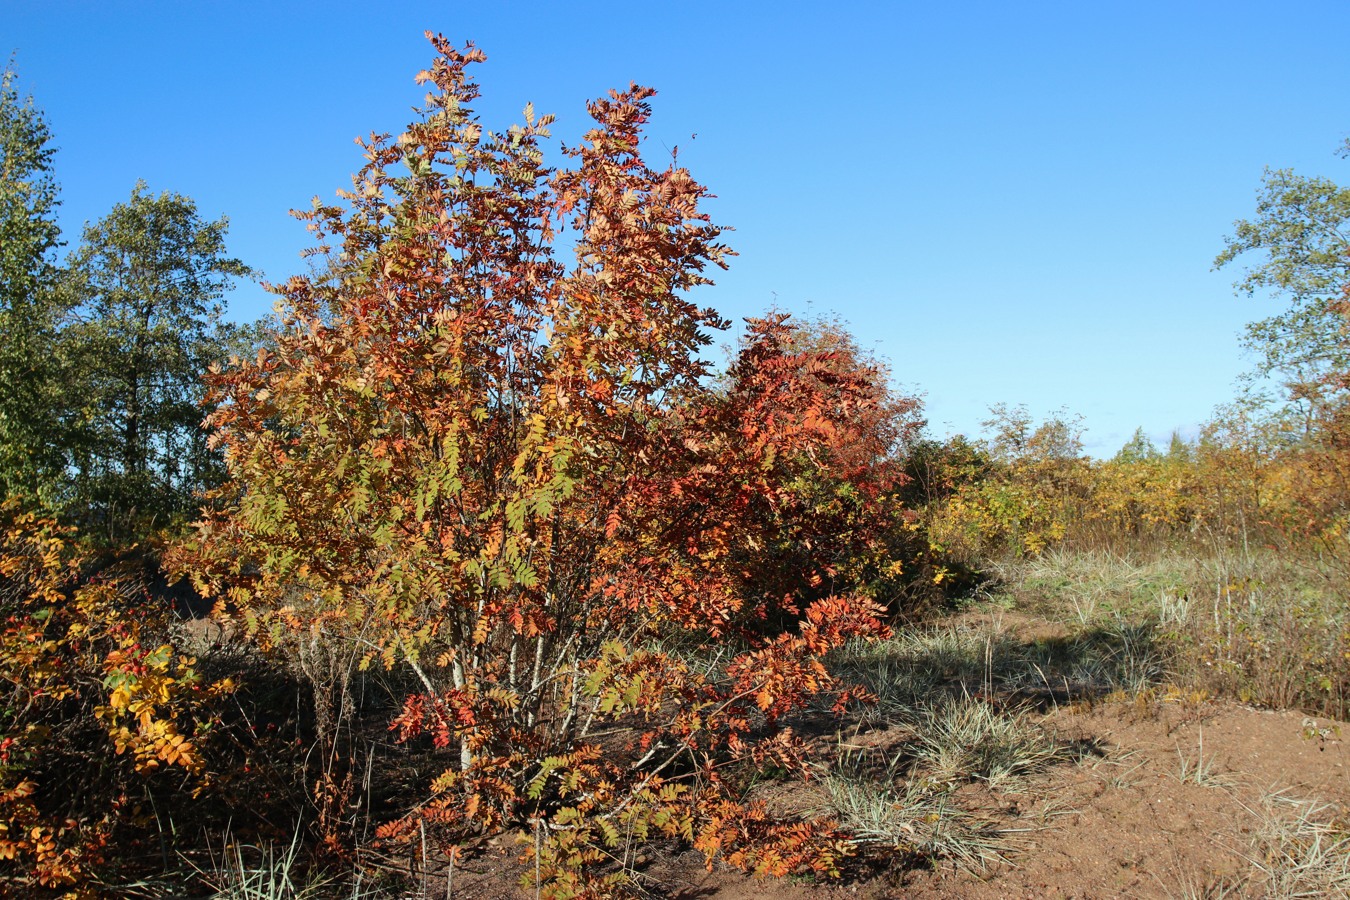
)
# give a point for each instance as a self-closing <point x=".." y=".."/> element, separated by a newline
<point x="1193" y="888"/>
<point x="1200" y="769"/>
<point x="262" y="873"/>
<point x="915" y="819"/>
<point x="1132" y="659"/>
<point x="1300" y="850"/>
<point x="969" y="739"/>
<point x="266" y="872"/>
<point x="907" y="671"/>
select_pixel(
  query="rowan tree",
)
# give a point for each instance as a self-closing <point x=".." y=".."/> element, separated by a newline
<point x="514" y="480"/>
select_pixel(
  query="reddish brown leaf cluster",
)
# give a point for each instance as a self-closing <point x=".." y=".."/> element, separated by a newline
<point x="519" y="481"/>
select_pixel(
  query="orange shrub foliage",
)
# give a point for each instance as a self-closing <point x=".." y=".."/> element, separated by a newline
<point x="841" y="523"/>
<point x="513" y="481"/>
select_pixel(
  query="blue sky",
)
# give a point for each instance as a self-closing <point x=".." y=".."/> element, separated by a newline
<point x="1010" y="202"/>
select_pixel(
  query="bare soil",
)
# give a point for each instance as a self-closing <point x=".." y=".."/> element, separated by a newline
<point x="1119" y="822"/>
<point x="1123" y="823"/>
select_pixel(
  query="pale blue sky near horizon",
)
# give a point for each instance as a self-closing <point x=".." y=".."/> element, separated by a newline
<point x="1014" y="203"/>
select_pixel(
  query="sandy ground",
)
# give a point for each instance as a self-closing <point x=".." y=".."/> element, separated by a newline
<point x="1120" y="822"/>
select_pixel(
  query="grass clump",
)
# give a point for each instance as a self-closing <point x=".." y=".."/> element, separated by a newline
<point x="267" y="871"/>
<point x="913" y="818"/>
<point x="908" y="670"/>
<point x="970" y="739"/>
<point x="908" y="800"/>
<point x="1200" y="769"/>
<point x="1301" y="850"/>
<point x="262" y="873"/>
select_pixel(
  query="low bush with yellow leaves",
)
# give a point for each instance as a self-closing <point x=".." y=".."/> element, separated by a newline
<point x="99" y="713"/>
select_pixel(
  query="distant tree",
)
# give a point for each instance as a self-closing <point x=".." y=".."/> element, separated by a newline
<point x="1179" y="449"/>
<point x="28" y="311"/>
<point x="1137" y="448"/>
<point x="1015" y="438"/>
<point x="144" y="291"/>
<point x="936" y="469"/>
<point x="1299" y="241"/>
<point x="1035" y="487"/>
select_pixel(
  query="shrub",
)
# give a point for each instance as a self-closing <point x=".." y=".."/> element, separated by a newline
<point x="101" y="714"/>
<point x="514" y="482"/>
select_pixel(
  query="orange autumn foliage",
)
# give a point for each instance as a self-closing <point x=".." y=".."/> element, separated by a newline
<point x="514" y="481"/>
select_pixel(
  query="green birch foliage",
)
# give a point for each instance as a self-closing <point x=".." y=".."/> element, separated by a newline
<point x="1297" y="245"/>
<point x="146" y="290"/>
<point x="28" y="311"/>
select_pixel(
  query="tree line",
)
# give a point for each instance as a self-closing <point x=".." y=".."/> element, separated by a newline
<point x="103" y="353"/>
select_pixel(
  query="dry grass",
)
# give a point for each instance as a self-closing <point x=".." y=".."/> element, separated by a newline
<point x="916" y="671"/>
<point x="1081" y="626"/>
<point x="1300" y="850"/>
<point x="1199" y="768"/>
<point x="1261" y="628"/>
<point x="969" y="740"/>
<point x="913" y="818"/>
<point x="906" y="798"/>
